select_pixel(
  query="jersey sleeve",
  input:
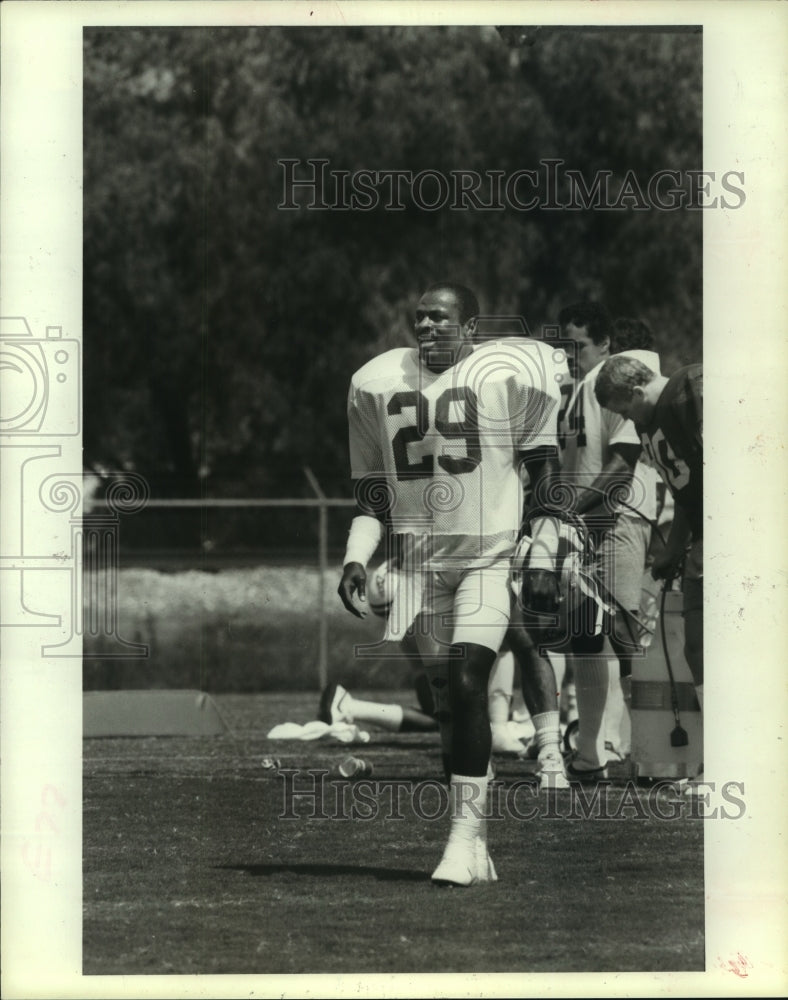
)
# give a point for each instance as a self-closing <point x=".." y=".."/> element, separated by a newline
<point x="366" y="454"/>
<point x="684" y="410"/>
<point x="535" y="401"/>
<point x="618" y="430"/>
<point x="535" y="421"/>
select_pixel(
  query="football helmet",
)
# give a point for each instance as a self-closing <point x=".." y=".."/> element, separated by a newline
<point x="581" y="607"/>
<point x="382" y="585"/>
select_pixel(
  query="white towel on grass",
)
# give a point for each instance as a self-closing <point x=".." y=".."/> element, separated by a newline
<point x="345" y="732"/>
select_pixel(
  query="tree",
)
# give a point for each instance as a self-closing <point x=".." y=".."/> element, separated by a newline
<point x="221" y="330"/>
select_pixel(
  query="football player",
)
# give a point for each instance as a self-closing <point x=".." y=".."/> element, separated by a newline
<point x="600" y="465"/>
<point x="337" y="704"/>
<point x="668" y="417"/>
<point x="538" y="683"/>
<point x="436" y="436"/>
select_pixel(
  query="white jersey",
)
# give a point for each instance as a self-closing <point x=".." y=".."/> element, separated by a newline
<point x="587" y="433"/>
<point x="447" y="443"/>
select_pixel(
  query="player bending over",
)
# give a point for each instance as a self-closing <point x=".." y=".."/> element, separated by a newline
<point x="600" y="451"/>
<point x="668" y="416"/>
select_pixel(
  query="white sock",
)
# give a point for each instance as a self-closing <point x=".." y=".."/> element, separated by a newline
<point x="467" y="806"/>
<point x="569" y="702"/>
<point x="699" y="693"/>
<point x="565" y="684"/>
<point x="591" y="684"/>
<point x="626" y="689"/>
<point x="375" y="713"/>
<point x="481" y="833"/>
<point x="626" y="718"/>
<point x="614" y="709"/>
<point x="499" y="689"/>
<point x="547" y="730"/>
<point x="519" y="710"/>
<point x="558" y="663"/>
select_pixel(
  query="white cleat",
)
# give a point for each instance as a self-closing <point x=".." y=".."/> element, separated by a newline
<point x="504" y="742"/>
<point x="551" y="771"/>
<point x="485" y="869"/>
<point x="693" y="788"/>
<point x="458" y="866"/>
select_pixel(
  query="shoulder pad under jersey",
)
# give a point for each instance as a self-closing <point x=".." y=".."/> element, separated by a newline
<point x="391" y="364"/>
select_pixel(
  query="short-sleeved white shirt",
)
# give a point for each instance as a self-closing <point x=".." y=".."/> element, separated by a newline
<point x="447" y="443"/>
<point x="587" y="433"/>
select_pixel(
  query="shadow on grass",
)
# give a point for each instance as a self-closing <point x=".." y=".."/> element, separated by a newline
<point x="322" y="870"/>
<point x="432" y="742"/>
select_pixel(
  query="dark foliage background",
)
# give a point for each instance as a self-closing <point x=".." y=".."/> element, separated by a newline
<point x="220" y="332"/>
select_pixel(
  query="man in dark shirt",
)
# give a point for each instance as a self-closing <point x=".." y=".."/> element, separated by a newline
<point x="668" y="416"/>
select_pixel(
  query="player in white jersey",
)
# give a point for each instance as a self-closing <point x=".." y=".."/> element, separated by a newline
<point x="337" y="704"/>
<point x="436" y="438"/>
<point x="600" y="463"/>
<point x="538" y="684"/>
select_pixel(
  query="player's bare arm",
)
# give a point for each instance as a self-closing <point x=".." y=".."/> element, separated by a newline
<point x="366" y="530"/>
<point x="666" y="562"/>
<point x="353" y="583"/>
<point x="612" y="481"/>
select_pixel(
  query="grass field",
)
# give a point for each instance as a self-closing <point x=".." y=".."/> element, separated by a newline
<point x="189" y="866"/>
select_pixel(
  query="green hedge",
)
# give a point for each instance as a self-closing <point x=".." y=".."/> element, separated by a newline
<point x="235" y="630"/>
